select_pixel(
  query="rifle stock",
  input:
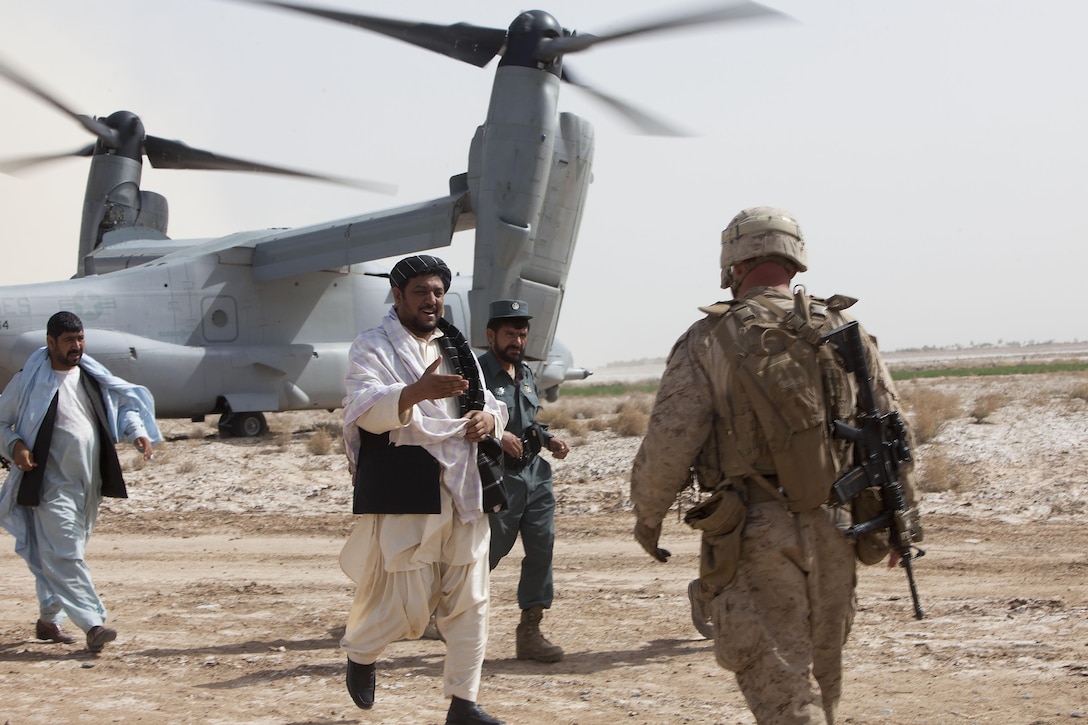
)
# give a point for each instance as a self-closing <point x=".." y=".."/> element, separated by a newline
<point x="881" y="443"/>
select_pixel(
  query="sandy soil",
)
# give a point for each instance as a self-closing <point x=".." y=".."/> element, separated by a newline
<point x="221" y="576"/>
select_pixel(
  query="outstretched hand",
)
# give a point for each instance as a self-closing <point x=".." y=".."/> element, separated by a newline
<point x="432" y="385"/>
<point x="437" y="385"/>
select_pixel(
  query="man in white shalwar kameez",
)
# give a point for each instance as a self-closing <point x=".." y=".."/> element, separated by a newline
<point x="403" y="392"/>
<point x="60" y="417"/>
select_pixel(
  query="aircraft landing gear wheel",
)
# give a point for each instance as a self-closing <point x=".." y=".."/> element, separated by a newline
<point x="243" y="425"/>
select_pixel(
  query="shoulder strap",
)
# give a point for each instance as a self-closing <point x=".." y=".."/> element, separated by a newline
<point x="798" y="320"/>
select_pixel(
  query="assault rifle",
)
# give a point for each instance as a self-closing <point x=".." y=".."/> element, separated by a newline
<point x="880" y="440"/>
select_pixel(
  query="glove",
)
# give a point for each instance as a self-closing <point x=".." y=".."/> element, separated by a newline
<point x="647" y="537"/>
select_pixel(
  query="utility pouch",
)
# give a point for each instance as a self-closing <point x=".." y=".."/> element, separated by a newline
<point x="531" y="441"/>
<point x="786" y="394"/>
<point x="531" y="444"/>
<point x="874" y="546"/>
<point x="721" y="519"/>
<point x="806" y="469"/>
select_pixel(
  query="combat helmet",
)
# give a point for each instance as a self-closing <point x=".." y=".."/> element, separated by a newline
<point x="757" y="233"/>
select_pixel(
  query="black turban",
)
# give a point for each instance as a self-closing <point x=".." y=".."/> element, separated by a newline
<point x="419" y="264"/>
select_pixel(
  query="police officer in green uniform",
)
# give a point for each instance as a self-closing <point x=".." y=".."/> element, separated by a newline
<point x="528" y="476"/>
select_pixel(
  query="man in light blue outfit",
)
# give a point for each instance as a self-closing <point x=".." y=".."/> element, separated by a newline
<point x="60" y="418"/>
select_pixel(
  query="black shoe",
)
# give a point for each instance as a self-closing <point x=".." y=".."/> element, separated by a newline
<point x="361" y="680"/>
<point x="51" y="632"/>
<point x="463" y="712"/>
<point x="97" y="637"/>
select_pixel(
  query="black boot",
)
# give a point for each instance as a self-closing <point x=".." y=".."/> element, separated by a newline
<point x="463" y="712"/>
<point x="361" y="684"/>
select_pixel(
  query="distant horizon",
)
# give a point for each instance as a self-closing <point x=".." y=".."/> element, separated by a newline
<point x="999" y="345"/>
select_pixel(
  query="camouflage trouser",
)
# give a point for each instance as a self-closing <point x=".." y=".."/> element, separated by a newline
<point x="783" y="621"/>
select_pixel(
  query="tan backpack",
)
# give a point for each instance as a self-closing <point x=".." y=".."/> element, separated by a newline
<point x="786" y="387"/>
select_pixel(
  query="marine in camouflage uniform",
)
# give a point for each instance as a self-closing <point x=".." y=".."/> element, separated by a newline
<point x="527" y="475"/>
<point x="782" y="619"/>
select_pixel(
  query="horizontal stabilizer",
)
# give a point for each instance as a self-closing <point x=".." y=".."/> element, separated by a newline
<point x="388" y="233"/>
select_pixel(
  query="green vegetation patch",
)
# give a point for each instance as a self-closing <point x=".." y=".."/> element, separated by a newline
<point x="610" y="389"/>
<point x="650" y="386"/>
<point x="1022" y="369"/>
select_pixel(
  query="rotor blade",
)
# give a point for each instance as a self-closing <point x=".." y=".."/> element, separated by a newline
<point x="646" y="123"/>
<point x="165" y="154"/>
<point x="99" y="129"/>
<point x="461" y="41"/>
<point x="12" y="166"/>
<point x="734" y="12"/>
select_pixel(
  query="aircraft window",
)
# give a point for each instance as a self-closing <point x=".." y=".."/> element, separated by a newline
<point x="220" y="319"/>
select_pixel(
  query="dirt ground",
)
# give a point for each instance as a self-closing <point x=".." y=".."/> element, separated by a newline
<point x="221" y="576"/>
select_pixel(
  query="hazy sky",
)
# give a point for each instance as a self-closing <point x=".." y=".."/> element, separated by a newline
<point x="933" y="152"/>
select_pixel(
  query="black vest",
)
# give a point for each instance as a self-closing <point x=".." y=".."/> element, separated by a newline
<point x="393" y="479"/>
<point x="113" y="484"/>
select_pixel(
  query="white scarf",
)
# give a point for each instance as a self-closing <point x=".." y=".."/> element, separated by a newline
<point x="381" y="361"/>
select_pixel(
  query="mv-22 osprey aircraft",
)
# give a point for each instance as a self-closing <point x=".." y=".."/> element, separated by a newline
<point x="261" y="321"/>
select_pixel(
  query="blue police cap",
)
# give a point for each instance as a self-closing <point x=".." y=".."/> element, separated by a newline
<point x="500" y="309"/>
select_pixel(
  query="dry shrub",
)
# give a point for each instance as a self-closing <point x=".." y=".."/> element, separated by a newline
<point x="320" y="444"/>
<point x="560" y="417"/>
<point x="162" y="454"/>
<point x="986" y="405"/>
<point x="597" y="424"/>
<point x="941" y="473"/>
<point x="555" y="418"/>
<point x="592" y="407"/>
<point x="631" y="422"/>
<point x="638" y="401"/>
<point x="333" y="428"/>
<point x="1079" y="391"/>
<point x="282" y="440"/>
<point x="577" y="427"/>
<point x="578" y="408"/>
<point x="928" y="410"/>
<point x="1038" y="399"/>
<point x="133" y="463"/>
<point x="186" y="466"/>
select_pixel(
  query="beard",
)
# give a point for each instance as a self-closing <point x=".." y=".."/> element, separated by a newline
<point x="510" y="354"/>
<point x="421" y="322"/>
<point x="68" y="359"/>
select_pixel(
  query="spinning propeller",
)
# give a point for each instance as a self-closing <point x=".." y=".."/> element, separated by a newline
<point x="122" y="133"/>
<point x="535" y="39"/>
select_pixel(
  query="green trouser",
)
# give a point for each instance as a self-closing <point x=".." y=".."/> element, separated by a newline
<point x="531" y="513"/>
